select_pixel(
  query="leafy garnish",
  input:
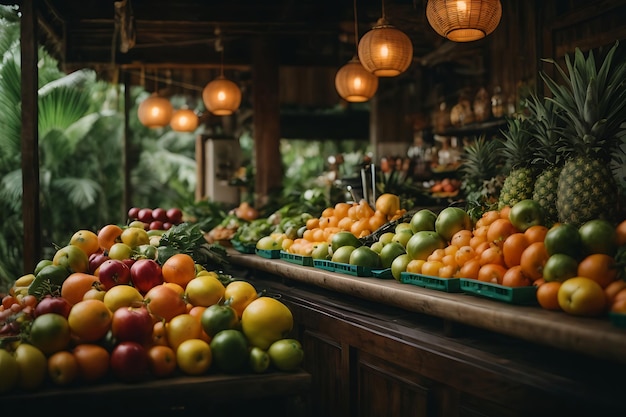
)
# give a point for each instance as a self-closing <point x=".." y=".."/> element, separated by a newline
<point x="188" y="238"/>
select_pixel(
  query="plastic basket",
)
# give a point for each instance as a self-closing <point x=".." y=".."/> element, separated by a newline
<point x="433" y="283"/>
<point x="511" y="295"/>
<point x="296" y="259"/>
<point x="618" y="319"/>
<point x="243" y="247"/>
<point x="269" y="254"/>
<point x="359" y="271"/>
<point x="323" y="264"/>
<point x="382" y="273"/>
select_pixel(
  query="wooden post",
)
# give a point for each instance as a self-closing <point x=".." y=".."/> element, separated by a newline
<point x="126" y="150"/>
<point x="266" y="106"/>
<point x="30" y="133"/>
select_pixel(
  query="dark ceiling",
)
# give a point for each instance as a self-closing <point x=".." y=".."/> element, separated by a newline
<point x="184" y="32"/>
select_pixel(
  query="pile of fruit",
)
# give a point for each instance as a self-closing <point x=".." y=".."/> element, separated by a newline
<point x="98" y="312"/>
<point x="157" y="218"/>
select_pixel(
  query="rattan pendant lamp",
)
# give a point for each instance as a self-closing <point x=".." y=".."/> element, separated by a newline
<point x="353" y="82"/>
<point x="464" y="20"/>
<point x="155" y="111"/>
<point x="184" y="120"/>
<point x="221" y="96"/>
<point x="385" y="51"/>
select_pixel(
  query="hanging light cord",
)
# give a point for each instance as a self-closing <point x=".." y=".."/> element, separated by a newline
<point x="383" y="7"/>
<point x="356" y="28"/>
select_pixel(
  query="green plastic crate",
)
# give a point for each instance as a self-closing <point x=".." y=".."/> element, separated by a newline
<point x="242" y="247"/>
<point x="359" y="271"/>
<point x="511" y="295"/>
<point x="269" y="254"/>
<point x="618" y="319"/>
<point x="433" y="283"/>
<point x="296" y="259"/>
<point x="323" y="264"/>
<point x="382" y="273"/>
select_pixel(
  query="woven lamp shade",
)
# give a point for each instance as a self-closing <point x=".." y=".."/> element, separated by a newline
<point x="385" y="51"/>
<point x="221" y="96"/>
<point x="464" y="20"/>
<point x="155" y="111"/>
<point x="184" y="120"/>
<point x="354" y="83"/>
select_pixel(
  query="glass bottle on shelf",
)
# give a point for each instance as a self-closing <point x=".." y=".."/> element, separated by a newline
<point x="497" y="104"/>
<point x="482" y="105"/>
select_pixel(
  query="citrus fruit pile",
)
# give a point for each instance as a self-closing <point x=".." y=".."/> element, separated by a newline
<point x="360" y="219"/>
<point x="85" y="317"/>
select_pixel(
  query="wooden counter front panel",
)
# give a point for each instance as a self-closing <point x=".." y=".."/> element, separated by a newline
<point x="365" y="361"/>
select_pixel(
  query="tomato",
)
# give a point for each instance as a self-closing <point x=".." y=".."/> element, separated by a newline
<point x="230" y="350"/>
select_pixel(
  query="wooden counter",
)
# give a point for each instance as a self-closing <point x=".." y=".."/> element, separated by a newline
<point x="378" y="347"/>
<point x="590" y="336"/>
<point x="270" y="394"/>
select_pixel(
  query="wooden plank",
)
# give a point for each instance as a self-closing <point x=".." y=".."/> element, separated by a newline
<point x="30" y="133"/>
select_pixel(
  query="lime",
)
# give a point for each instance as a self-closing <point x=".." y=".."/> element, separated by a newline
<point x="598" y="236"/>
<point x="399" y="265"/>
<point x="342" y="254"/>
<point x="563" y="238"/>
<point x="344" y="238"/>
<point x="390" y="252"/>
<point x="41" y="264"/>
<point x="230" y="350"/>
<point x="560" y="267"/>
<point x="365" y="256"/>
<point x="219" y="317"/>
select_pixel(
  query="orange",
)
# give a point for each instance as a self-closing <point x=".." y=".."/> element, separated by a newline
<point x="431" y="268"/>
<point x="461" y="238"/>
<point x="239" y="294"/>
<point x="533" y="258"/>
<point x="158" y="334"/>
<point x="415" y="266"/>
<point x="464" y="254"/>
<point x="504" y="212"/>
<point x="487" y="218"/>
<point x="312" y="223"/>
<point x="164" y="303"/>
<point x="162" y="361"/>
<point x="341" y="210"/>
<point x="599" y="267"/>
<point x="62" y="367"/>
<point x="177" y="288"/>
<point x="514" y="277"/>
<point x="86" y="240"/>
<point x="499" y="230"/>
<point x="327" y="212"/>
<point x="89" y="320"/>
<point x="613" y="288"/>
<point x="182" y="327"/>
<point x="620" y="232"/>
<point x="491" y="273"/>
<point x="76" y="286"/>
<point x="179" y="269"/>
<point x="388" y="204"/>
<point x="469" y="269"/>
<point x="513" y="247"/>
<point x="93" y="361"/>
<point x="109" y="235"/>
<point x="536" y="233"/>
<point x="492" y="255"/>
<point x="204" y="290"/>
<point x="547" y="295"/>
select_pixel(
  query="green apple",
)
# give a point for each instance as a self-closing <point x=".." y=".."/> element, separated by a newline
<point x="321" y="251"/>
<point x="563" y="238"/>
<point x="450" y="220"/>
<point x="364" y="256"/>
<point x="259" y="360"/>
<point x="525" y="214"/>
<point x="72" y="258"/>
<point x="342" y="254"/>
<point x="402" y="226"/>
<point x="398" y="266"/>
<point x="33" y="366"/>
<point x="386" y="237"/>
<point x="9" y="369"/>
<point x="120" y="251"/>
<point x="377" y="247"/>
<point x="286" y="354"/>
<point x="402" y="237"/>
<point x="598" y="236"/>
<point x="423" y="219"/>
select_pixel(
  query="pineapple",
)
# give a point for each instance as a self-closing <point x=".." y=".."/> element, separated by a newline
<point x="479" y="169"/>
<point x="517" y="149"/>
<point x="593" y="104"/>
<point x="547" y="161"/>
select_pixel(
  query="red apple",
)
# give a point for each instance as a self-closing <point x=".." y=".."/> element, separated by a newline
<point x="175" y="215"/>
<point x="132" y="324"/>
<point x="156" y="225"/>
<point x="167" y="226"/>
<point x="145" y="274"/>
<point x="129" y="362"/>
<point x="159" y="214"/>
<point x="145" y="215"/>
<point x="51" y="304"/>
<point x="95" y="260"/>
<point x="133" y="213"/>
<point x="113" y="272"/>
